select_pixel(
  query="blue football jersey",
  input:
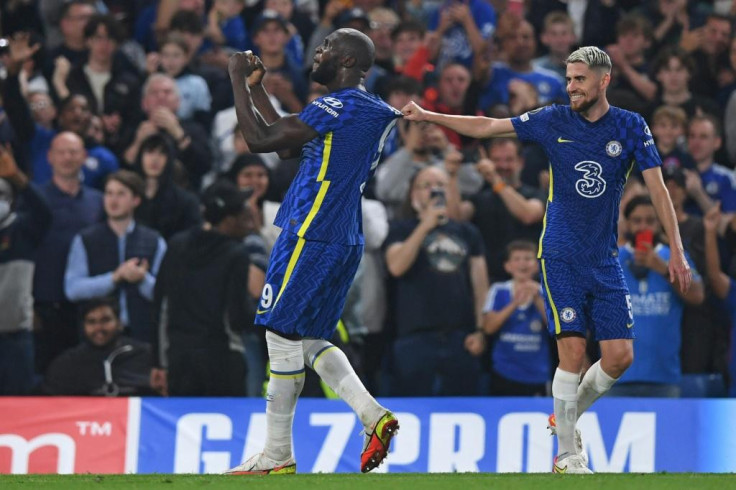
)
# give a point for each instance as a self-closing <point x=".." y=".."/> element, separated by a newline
<point x="589" y="164"/>
<point x="323" y="201"/>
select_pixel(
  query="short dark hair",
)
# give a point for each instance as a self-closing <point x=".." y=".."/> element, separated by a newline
<point x="709" y="118"/>
<point x="113" y="27"/>
<point x="88" y="307"/>
<point x="634" y="23"/>
<point x="666" y="54"/>
<point x="502" y="141"/>
<point x="720" y="17"/>
<point x="635" y="202"/>
<point x="67" y="6"/>
<point x="186" y="21"/>
<point x="129" y="179"/>
<point x="408" y="26"/>
<point x="64" y="103"/>
<point x="404" y="85"/>
<point x="178" y="41"/>
<point x="223" y="199"/>
<point x="677" y="175"/>
<point x="520" y="246"/>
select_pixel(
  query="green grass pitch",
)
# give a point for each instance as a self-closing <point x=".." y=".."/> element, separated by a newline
<point x="445" y="481"/>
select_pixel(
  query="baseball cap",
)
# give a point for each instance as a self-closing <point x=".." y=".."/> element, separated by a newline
<point x="267" y="16"/>
<point x="353" y="14"/>
<point x="223" y="199"/>
<point x="676" y="174"/>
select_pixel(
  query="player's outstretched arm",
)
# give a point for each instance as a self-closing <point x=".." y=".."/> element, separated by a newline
<point x="678" y="266"/>
<point x="285" y="133"/>
<point x="473" y="126"/>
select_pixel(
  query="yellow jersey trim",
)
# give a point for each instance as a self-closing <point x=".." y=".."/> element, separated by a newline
<point x="290" y="267"/>
<point x="550" y="196"/>
<point x="323" y="187"/>
<point x="555" y="316"/>
<point x="631" y="167"/>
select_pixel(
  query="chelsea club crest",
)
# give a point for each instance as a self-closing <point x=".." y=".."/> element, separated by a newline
<point x="613" y="148"/>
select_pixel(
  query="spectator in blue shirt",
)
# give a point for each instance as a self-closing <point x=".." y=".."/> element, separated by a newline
<point x="284" y="80"/>
<point x="464" y="26"/>
<point x="719" y="182"/>
<point x="656" y="306"/>
<point x="74" y="206"/>
<point x="225" y="26"/>
<point x="558" y="35"/>
<point x="118" y="257"/>
<point x="194" y="94"/>
<point x="514" y="314"/>
<point x="74" y="115"/>
<point x="519" y="48"/>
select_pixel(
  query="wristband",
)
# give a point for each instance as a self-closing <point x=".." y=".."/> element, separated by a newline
<point x="499" y="186"/>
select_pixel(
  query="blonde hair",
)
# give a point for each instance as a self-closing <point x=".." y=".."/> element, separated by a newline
<point x="592" y="56"/>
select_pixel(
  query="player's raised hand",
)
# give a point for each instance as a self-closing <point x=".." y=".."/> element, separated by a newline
<point x="680" y="269"/>
<point x="241" y="64"/>
<point x="432" y="215"/>
<point x="712" y="219"/>
<point x="259" y="71"/>
<point x="413" y="112"/>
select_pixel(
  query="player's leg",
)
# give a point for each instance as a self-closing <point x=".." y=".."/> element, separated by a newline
<point x="616" y="357"/>
<point x="280" y="308"/>
<point x="571" y="350"/>
<point x="564" y="301"/>
<point x="284" y="386"/>
<point x="613" y="319"/>
<point x="379" y="423"/>
<point x="331" y="363"/>
<point x="333" y="367"/>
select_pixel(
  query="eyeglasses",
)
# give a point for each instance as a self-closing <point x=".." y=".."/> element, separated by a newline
<point x="41" y="104"/>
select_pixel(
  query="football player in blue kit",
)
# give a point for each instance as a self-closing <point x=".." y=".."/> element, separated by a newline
<point x="592" y="147"/>
<point x="340" y="137"/>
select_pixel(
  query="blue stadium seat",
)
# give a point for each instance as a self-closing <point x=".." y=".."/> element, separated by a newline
<point x="702" y="386"/>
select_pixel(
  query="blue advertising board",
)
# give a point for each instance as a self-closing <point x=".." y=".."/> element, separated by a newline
<point x="196" y="435"/>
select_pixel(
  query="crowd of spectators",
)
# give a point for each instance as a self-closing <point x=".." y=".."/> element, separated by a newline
<point x="135" y="224"/>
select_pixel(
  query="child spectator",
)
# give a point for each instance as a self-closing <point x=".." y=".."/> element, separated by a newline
<point x="194" y="94"/>
<point x="299" y="25"/>
<point x="558" y="35"/>
<point x="514" y="314"/>
<point x="630" y="82"/>
<point x="225" y="27"/>
<point x="669" y="125"/>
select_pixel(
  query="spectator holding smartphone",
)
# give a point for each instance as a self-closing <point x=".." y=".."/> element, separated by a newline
<point x="655" y="306"/>
<point x="441" y="281"/>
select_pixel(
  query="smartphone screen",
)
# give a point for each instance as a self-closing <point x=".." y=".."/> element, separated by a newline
<point x="644" y="240"/>
<point x="439" y="194"/>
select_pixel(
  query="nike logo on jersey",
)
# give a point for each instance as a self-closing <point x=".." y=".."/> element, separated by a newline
<point x="261" y="312"/>
<point x="629" y="325"/>
<point x="562" y="140"/>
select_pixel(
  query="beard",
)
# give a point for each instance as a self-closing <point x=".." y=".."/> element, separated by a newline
<point x="325" y="72"/>
<point x="583" y="107"/>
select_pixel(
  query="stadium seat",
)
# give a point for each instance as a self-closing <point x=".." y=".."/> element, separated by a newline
<point x="702" y="386"/>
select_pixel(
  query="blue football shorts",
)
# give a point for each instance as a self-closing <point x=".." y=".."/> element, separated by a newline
<point x="306" y="285"/>
<point x="582" y="297"/>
